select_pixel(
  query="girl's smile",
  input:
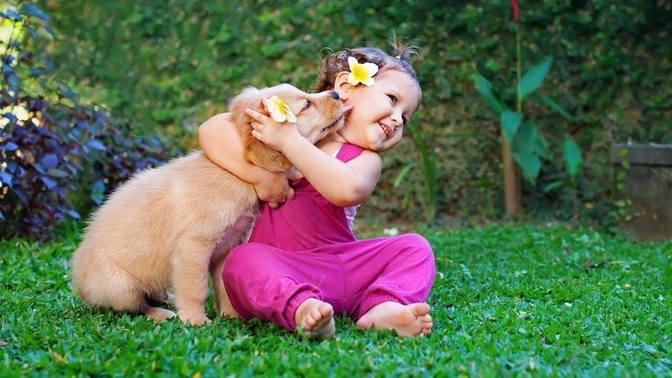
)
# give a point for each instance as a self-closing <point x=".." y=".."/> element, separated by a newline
<point x="386" y="129"/>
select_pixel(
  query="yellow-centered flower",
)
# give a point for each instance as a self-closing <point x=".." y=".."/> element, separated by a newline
<point x="361" y="73"/>
<point x="279" y="110"/>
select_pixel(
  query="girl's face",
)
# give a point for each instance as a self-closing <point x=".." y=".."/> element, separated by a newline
<point x="380" y="112"/>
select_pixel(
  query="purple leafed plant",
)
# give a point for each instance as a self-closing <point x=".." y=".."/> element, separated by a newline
<point x="51" y="146"/>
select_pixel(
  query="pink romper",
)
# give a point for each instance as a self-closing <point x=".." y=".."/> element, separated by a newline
<point x="306" y="249"/>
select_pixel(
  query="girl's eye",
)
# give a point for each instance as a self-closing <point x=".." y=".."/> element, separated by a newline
<point x="393" y="99"/>
<point x="307" y="105"/>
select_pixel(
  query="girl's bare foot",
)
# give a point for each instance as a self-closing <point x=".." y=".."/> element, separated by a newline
<point x="407" y="320"/>
<point x="315" y="319"/>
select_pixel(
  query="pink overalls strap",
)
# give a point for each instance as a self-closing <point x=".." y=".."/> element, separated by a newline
<point x="348" y="152"/>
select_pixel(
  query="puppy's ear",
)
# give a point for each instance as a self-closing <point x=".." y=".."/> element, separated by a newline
<point x="248" y="98"/>
<point x="265" y="157"/>
<point x="255" y="152"/>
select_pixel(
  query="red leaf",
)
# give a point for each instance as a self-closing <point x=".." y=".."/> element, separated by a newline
<point x="514" y="10"/>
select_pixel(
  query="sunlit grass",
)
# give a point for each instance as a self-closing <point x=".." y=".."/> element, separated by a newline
<point x="506" y="301"/>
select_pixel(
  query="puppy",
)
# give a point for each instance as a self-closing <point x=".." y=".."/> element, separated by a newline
<point x="167" y="227"/>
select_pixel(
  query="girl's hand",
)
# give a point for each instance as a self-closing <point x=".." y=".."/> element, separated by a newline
<point x="275" y="135"/>
<point x="274" y="188"/>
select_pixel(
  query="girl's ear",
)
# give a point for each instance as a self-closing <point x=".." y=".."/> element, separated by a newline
<point x="342" y="86"/>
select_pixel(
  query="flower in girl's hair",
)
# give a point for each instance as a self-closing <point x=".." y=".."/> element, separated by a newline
<point x="279" y="110"/>
<point x="361" y="73"/>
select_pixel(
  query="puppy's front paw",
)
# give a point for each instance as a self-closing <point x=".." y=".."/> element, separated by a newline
<point x="228" y="312"/>
<point x="224" y="308"/>
<point x="194" y="318"/>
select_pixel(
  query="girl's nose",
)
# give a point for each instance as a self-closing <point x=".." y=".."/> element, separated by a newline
<point x="397" y="118"/>
<point x="335" y="95"/>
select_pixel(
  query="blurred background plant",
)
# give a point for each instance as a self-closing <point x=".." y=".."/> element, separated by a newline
<point x="522" y="139"/>
<point x="164" y="67"/>
<point x="58" y="155"/>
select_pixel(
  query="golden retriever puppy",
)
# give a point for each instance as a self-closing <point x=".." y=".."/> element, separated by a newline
<point x="167" y="227"/>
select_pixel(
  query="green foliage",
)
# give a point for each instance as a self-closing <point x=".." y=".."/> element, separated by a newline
<point x="485" y="89"/>
<point x="530" y="164"/>
<point x="510" y="122"/>
<point x="169" y="65"/>
<point x="528" y="149"/>
<point x="573" y="158"/>
<point x="506" y="301"/>
<point x="534" y="78"/>
<point x="428" y="171"/>
<point x="52" y="147"/>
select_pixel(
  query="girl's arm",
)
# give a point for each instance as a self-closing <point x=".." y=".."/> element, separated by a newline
<point x="343" y="184"/>
<point x="222" y="144"/>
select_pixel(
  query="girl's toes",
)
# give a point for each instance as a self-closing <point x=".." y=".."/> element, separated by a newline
<point x="326" y="311"/>
<point x="427" y="328"/>
<point x="315" y="319"/>
<point x="316" y="315"/>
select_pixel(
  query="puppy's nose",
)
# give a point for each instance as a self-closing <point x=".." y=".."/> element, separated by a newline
<point x="335" y="95"/>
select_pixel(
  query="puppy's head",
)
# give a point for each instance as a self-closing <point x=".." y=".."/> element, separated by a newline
<point x="317" y="115"/>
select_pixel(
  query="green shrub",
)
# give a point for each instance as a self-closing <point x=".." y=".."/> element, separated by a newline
<point x="57" y="156"/>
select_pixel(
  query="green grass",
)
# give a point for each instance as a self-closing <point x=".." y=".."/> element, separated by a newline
<point x="507" y="300"/>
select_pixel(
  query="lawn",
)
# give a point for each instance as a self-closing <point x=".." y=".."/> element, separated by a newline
<point x="507" y="300"/>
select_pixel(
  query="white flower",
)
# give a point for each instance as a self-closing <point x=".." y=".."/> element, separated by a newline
<point x="361" y="73"/>
<point x="279" y="110"/>
<point x="393" y="231"/>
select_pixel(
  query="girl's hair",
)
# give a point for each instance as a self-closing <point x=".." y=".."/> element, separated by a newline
<point x="399" y="60"/>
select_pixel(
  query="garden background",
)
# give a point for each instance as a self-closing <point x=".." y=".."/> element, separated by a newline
<point x="93" y="91"/>
<point x="161" y="68"/>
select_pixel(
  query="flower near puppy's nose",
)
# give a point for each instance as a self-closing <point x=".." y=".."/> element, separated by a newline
<point x="361" y="72"/>
<point x="279" y="110"/>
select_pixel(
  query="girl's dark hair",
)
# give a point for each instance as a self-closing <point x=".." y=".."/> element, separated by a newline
<point x="335" y="62"/>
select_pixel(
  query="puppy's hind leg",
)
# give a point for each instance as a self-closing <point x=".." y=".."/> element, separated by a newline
<point x="169" y="298"/>
<point x="152" y="309"/>
<point x="125" y="296"/>
<point x="114" y="288"/>
<point x="158" y="314"/>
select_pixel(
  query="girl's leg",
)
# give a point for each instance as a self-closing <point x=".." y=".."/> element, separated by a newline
<point x="279" y="286"/>
<point x="391" y="279"/>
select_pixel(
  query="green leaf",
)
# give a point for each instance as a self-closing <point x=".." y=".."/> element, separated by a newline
<point x="572" y="155"/>
<point x="484" y="87"/>
<point x="555" y="106"/>
<point x="32" y="10"/>
<point x="552" y="186"/>
<point x="534" y="77"/>
<point x="510" y="122"/>
<point x="542" y="147"/>
<point x="12" y="15"/>
<point x="55" y="172"/>
<point x="526" y="139"/>
<point x="529" y="164"/>
<point x="402" y="174"/>
<point x="98" y="192"/>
